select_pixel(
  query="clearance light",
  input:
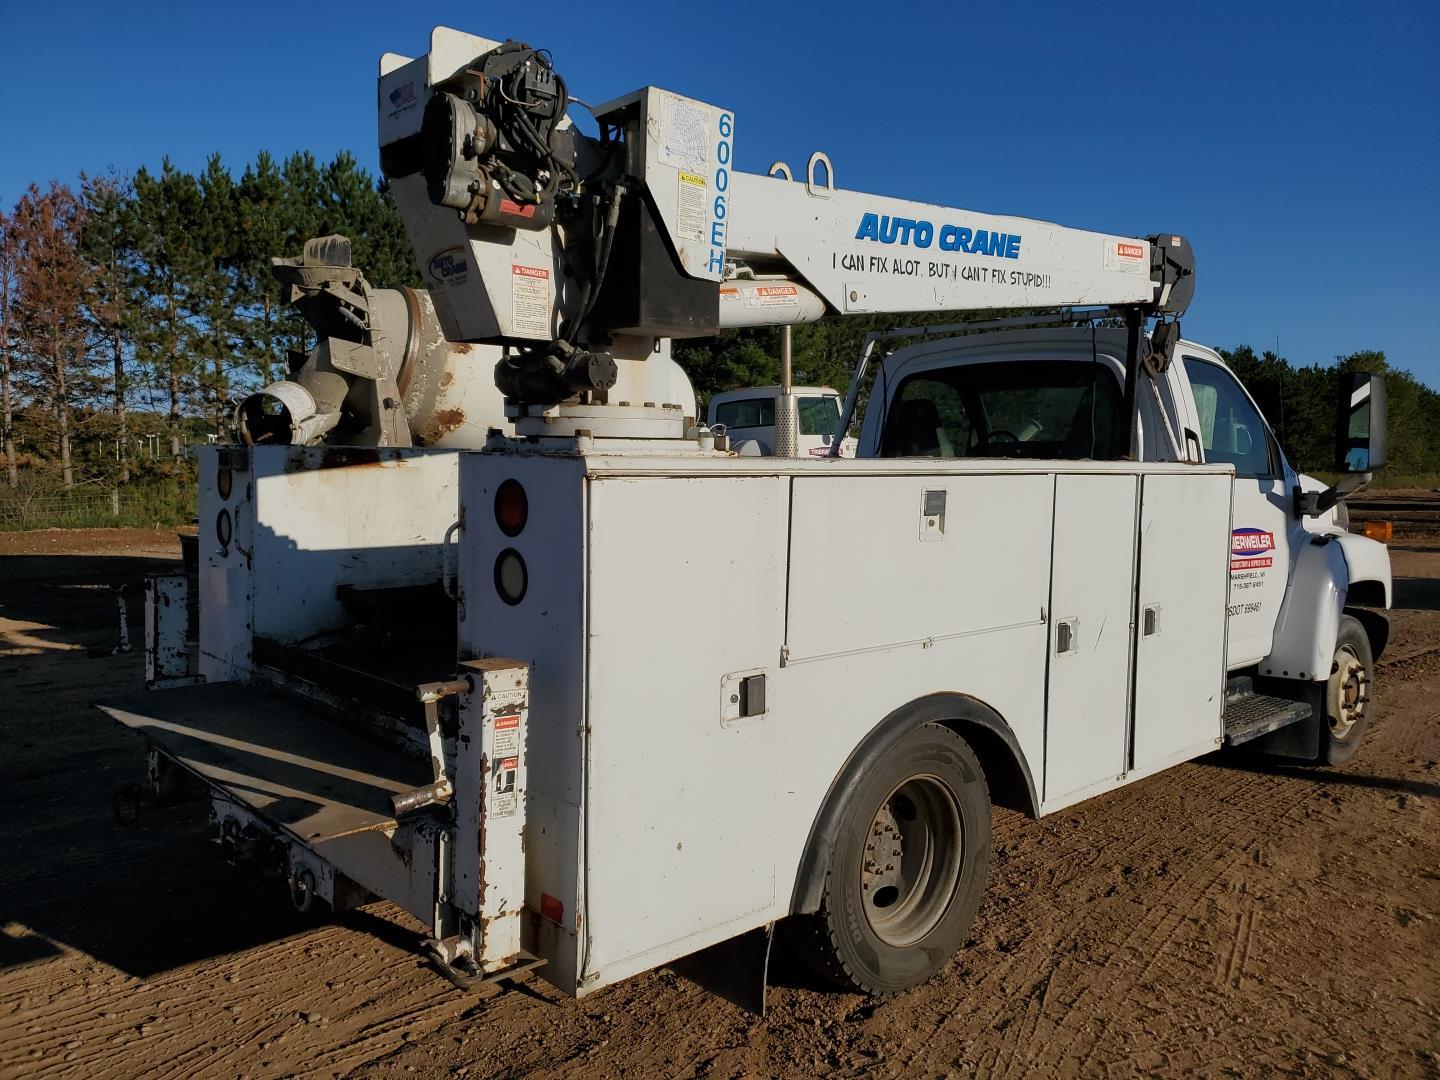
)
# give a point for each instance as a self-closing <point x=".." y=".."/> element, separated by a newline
<point x="1383" y="531"/>
<point x="511" y="577"/>
<point x="512" y="508"/>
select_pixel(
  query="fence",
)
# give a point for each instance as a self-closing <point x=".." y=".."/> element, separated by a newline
<point x="146" y="504"/>
<point x="60" y="511"/>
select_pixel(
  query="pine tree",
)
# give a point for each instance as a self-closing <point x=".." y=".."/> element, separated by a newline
<point x="214" y="297"/>
<point x="166" y="209"/>
<point x="261" y="233"/>
<point x="106" y="245"/>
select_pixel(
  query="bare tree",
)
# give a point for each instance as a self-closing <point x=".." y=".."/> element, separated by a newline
<point x="52" y="279"/>
<point x="7" y="291"/>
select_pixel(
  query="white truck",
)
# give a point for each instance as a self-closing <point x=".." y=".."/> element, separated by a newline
<point x="748" y="416"/>
<point x="494" y="686"/>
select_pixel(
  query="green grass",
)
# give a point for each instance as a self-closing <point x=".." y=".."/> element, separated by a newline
<point x="144" y="504"/>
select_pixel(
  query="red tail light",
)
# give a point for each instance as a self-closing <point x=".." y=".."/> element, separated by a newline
<point x="512" y="508"/>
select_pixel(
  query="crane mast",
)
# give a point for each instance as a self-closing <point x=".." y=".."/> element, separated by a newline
<point x="569" y="262"/>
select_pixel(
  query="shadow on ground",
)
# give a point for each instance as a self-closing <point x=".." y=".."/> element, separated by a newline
<point x="143" y="899"/>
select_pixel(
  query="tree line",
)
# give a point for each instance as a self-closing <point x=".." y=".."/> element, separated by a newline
<point x="135" y="309"/>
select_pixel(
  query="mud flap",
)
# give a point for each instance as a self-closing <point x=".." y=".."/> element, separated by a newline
<point x="736" y="970"/>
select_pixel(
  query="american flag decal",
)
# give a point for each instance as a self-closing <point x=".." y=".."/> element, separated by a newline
<point x="403" y="97"/>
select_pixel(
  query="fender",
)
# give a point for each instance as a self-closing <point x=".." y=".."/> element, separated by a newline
<point x="1006" y="771"/>
<point x="1369" y="564"/>
<point x="1309" y="619"/>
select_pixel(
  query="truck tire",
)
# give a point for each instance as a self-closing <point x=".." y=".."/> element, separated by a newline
<point x="1347" y="693"/>
<point x="906" y="870"/>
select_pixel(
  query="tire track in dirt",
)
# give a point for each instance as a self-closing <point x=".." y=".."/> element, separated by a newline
<point x="1238" y="814"/>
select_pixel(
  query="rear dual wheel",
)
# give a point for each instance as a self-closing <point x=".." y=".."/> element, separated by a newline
<point x="907" y="868"/>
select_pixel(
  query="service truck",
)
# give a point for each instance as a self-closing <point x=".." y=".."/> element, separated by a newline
<point x="491" y="659"/>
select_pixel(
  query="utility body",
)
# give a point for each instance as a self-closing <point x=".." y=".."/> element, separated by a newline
<point x="530" y="693"/>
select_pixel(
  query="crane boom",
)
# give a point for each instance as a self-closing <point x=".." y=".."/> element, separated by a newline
<point x="577" y="252"/>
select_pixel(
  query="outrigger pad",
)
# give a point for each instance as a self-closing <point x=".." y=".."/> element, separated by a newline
<point x="308" y="775"/>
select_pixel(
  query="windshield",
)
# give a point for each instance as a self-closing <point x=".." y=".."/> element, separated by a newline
<point x="748" y="412"/>
<point x="1015" y="408"/>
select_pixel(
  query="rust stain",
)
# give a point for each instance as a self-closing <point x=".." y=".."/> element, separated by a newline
<point x="460" y="348"/>
<point x="446" y="421"/>
<point x="349" y="457"/>
<point x="446" y="379"/>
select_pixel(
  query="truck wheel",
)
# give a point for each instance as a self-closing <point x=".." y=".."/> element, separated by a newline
<point x="906" y="870"/>
<point x="1347" y="694"/>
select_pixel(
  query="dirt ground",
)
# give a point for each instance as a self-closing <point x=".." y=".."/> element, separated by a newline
<point x="1226" y="918"/>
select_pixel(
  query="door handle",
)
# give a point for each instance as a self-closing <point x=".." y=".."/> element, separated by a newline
<point x="1067" y="631"/>
<point x="1150" y="620"/>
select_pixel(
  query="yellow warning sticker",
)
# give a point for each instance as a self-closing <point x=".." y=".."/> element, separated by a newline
<point x="691" y="208"/>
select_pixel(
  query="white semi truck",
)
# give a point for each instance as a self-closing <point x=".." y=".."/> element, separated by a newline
<point x="497" y="664"/>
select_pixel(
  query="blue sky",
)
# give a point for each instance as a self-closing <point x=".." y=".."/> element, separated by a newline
<point x="1298" y="146"/>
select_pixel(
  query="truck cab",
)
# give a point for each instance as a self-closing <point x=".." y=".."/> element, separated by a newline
<point x="748" y="416"/>
<point x="1058" y="393"/>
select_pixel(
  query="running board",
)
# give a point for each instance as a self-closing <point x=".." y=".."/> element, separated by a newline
<point x="1249" y="716"/>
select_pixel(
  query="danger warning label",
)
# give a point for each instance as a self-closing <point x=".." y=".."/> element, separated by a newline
<point x="507" y="736"/>
<point x="530" y="301"/>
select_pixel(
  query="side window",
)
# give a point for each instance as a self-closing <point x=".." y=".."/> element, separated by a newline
<point x="818" y="415"/>
<point x="928" y="419"/>
<point x="747" y="413"/>
<point x="1231" y="428"/>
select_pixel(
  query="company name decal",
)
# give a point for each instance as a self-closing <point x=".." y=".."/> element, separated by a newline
<point x="449" y="265"/>
<point x="910" y="232"/>
<point x="1250" y="549"/>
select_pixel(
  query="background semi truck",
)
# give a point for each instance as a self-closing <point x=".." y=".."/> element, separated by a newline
<point x="460" y="665"/>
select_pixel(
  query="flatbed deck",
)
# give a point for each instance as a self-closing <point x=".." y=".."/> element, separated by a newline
<point x="308" y="775"/>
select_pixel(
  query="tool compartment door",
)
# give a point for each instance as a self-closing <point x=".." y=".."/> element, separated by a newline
<point x="680" y="792"/>
<point x="1088" y="664"/>
<point x="1180" y="633"/>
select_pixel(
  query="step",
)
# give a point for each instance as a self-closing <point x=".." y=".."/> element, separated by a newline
<point x="1248" y="716"/>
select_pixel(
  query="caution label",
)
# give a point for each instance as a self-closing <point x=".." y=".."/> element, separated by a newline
<point x="530" y="301"/>
<point x="690" y="207"/>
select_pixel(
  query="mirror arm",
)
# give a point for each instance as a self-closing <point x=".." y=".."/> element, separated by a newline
<point x="1315" y="503"/>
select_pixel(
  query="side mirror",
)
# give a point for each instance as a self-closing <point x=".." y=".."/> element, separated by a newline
<point x="1360" y="423"/>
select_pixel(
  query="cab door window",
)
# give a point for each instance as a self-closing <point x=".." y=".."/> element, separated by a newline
<point x="1231" y="428"/>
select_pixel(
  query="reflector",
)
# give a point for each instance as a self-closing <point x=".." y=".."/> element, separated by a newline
<point x="511" y="577"/>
